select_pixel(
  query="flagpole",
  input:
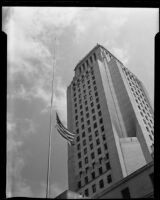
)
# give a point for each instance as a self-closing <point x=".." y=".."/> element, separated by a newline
<point x="51" y="128"/>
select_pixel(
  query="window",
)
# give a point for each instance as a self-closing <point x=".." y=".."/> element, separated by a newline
<point x="99" y="113"/>
<point x="81" y="112"/>
<point x="150" y="137"/>
<point x="96" y="133"/>
<point x="95" y="87"/>
<point x="95" y="125"/>
<point x="104" y="137"/>
<point x="76" y="124"/>
<point x="91" y="98"/>
<point x="102" y="128"/>
<point x="88" y="122"/>
<point x="83" y="67"/>
<point x="101" y="183"/>
<point x="100" y="171"/>
<point x="80" y="173"/>
<point x="89" y="129"/>
<point x="109" y="178"/>
<point x="75" y="99"/>
<point x="80" y="106"/>
<point x="85" y="102"/>
<point x="84" y="142"/>
<point x="85" y="150"/>
<point x="79" y="155"/>
<point x="90" y="137"/>
<point x="94" y="188"/>
<point x="97" y="100"/>
<point x="83" y="134"/>
<point x="93" y="111"/>
<point x="75" y="110"/>
<point x="125" y="193"/>
<point x="98" y="106"/>
<point x="78" y="138"/>
<point x="96" y="94"/>
<point x="87" y="62"/>
<point x="99" y="151"/>
<point x="79" y="184"/>
<point x="108" y="167"/>
<point x="101" y="121"/>
<point x="82" y="126"/>
<point x="152" y="178"/>
<point x="86" y="160"/>
<point x="75" y="104"/>
<point x="86" y="108"/>
<point x="91" y="146"/>
<point x="92" y="104"/>
<point x="92" y="155"/>
<point x="93" y="175"/>
<point x="91" y="59"/>
<point x="88" y="82"/>
<point x="93" y="164"/>
<point x="87" y="168"/>
<point x="78" y="146"/>
<point x="105" y="145"/>
<point x="100" y="160"/>
<point x="87" y="115"/>
<point x="94" y="56"/>
<point x="77" y="130"/>
<point x="80" y="164"/>
<point x="94" y="82"/>
<point x="98" y="141"/>
<point x="86" y="192"/>
<point x="93" y="77"/>
<point x="94" y="117"/>
<point x="82" y="120"/>
<point x="147" y="128"/>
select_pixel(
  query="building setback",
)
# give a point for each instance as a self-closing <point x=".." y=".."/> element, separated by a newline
<point x="109" y="110"/>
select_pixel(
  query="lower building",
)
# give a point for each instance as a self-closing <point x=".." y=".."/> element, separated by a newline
<point x="139" y="184"/>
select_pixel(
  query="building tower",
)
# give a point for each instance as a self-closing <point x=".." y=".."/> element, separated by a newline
<point x="110" y="111"/>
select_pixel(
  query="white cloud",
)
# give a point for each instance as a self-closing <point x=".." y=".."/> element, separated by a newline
<point x="121" y="54"/>
<point x="17" y="129"/>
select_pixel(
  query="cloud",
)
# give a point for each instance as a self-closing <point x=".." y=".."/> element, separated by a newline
<point x="122" y="54"/>
<point x="59" y="100"/>
<point x="17" y="131"/>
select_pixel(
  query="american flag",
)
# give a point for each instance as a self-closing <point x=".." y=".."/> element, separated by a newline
<point x="64" y="132"/>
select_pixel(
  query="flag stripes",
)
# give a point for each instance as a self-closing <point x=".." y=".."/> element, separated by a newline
<point x="64" y="132"/>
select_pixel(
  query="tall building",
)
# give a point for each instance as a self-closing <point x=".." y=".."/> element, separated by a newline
<point x="110" y="111"/>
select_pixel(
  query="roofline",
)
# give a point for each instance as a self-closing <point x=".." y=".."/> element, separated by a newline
<point x="94" y="48"/>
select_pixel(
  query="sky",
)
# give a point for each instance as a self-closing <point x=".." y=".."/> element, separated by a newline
<point x="128" y="33"/>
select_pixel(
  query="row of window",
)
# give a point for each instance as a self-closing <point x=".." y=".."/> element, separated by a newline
<point x="86" y="64"/>
<point x="106" y="158"/>
<point x="100" y="185"/>
<point x="88" y="77"/>
<point x="79" y="155"/>
<point x="88" y="124"/>
<point x="93" y="174"/>
<point x="90" y="137"/>
<point x="125" y="192"/>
